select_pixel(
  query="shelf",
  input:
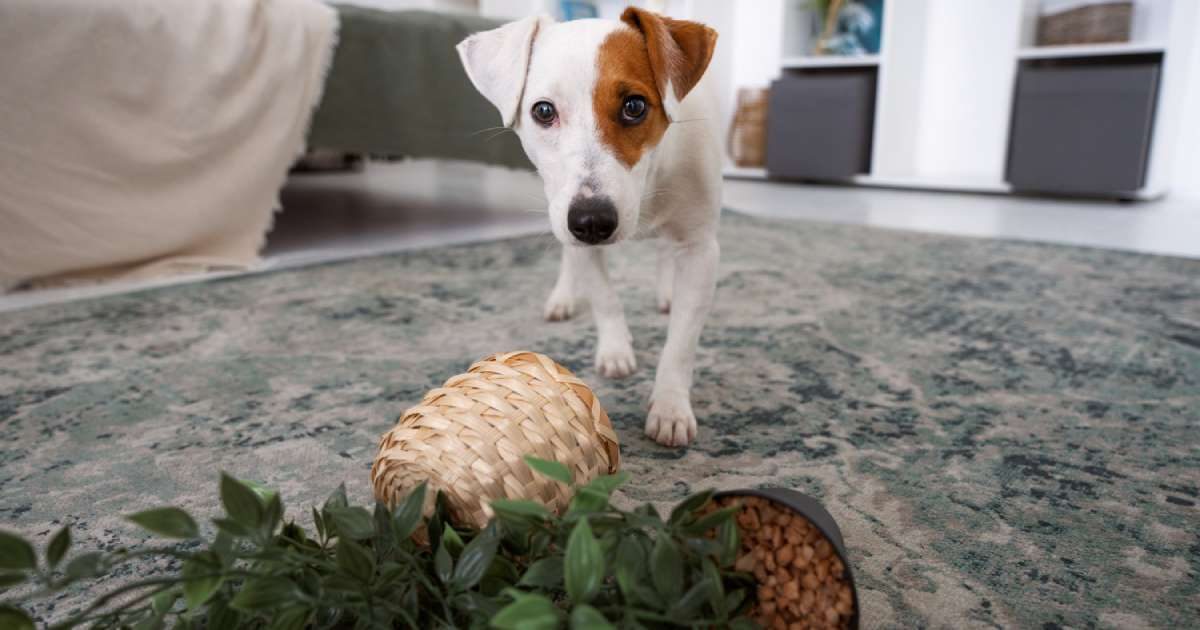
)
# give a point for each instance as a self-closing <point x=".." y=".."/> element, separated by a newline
<point x="830" y="61"/>
<point x="1089" y="50"/>
<point x="742" y="172"/>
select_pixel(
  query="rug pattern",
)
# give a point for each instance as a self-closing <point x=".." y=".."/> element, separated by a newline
<point x="1008" y="433"/>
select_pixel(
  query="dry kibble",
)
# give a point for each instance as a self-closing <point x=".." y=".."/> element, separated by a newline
<point x="801" y="580"/>
<point x="810" y="581"/>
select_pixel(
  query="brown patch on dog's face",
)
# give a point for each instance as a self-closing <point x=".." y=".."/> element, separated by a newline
<point x="624" y="72"/>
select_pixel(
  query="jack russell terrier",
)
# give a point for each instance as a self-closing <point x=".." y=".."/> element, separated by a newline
<point x="626" y="148"/>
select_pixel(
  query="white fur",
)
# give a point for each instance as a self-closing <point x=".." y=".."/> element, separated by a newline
<point x="673" y="192"/>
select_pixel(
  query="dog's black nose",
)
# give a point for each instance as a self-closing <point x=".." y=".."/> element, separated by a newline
<point x="592" y="219"/>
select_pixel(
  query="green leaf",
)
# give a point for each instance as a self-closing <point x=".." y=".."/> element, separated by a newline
<point x="588" y="501"/>
<point x="527" y="612"/>
<point x="318" y="523"/>
<point x="645" y="516"/>
<point x="691" y="601"/>
<point x="407" y="515"/>
<point x="15" y="552"/>
<point x="546" y="573"/>
<point x="294" y="618"/>
<point x="452" y="541"/>
<point x="265" y="593"/>
<point x="264" y="493"/>
<point x="220" y="615"/>
<point x="716" y="594"/>
<point x="86" y="565"/>
<point x="241" y="503"/>
<point x="689" y="505"/>
<point x="58" y="546"/>
<point x="351" y="522"/>
<point x="743" y="623"/>
<point x="585" y="617"/>
<point x="355" y="561"/>
<point x="231" y="528"/>
<point x="475" y="559"/>
<point x="521" y="508"/>
<point x="337" y="499"/>
<point x="443" y="564"/>
<point x="199" y="579"/>
<point x="163" y="601"/>
<point x="631" y="564"/>
<point x="549" y="469"/>
<point x="583" y="566"/>
<point x="273" y="513"/>
<point x="501" y="574"/>
<point x="608" y="483"/>
<point x="169" y="522"/>
<point x="13" y="618"/>
<point x="8" y="580"/>
<point x="666" y="567"/>
<point x="730" y="541"/>
<point x="712" y="520"/>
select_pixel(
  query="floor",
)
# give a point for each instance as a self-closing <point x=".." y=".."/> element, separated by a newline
<point x="405" y="205"/>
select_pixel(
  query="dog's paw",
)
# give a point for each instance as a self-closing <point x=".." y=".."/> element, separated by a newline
<point x="671" y="421"/>
<point x="560" y="308"/>
<point x="615" y="360"/>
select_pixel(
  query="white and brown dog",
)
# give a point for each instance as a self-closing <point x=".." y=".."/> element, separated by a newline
<point x="626" y="148"/>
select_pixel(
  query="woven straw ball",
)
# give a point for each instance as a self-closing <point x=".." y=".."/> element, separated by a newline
<point x="468" y="438"/>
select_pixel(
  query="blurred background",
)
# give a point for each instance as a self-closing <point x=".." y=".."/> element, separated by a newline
<point x="1067" y="121"/>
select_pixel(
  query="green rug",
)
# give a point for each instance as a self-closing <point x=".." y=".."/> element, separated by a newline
<point x="1008" y="433"/>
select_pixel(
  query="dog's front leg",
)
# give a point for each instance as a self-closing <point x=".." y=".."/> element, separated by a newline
<point x="671" y="421"/>
<point x="584" y="274"/>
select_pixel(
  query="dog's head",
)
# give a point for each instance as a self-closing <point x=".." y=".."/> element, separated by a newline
<point x="590" y="101"/>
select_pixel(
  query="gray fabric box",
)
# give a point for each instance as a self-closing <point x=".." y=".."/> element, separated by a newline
<point x="1083" y="127"/>
<point x="820" y="124"/>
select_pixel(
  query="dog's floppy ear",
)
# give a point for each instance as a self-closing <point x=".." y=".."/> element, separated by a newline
<point x="679" y="51"/>
<point x="496" y="61"/>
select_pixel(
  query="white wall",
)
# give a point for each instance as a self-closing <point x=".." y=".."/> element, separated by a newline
<point x="1185" y="179"/>
<point x="399" y="5"/>
<point x="966" y="88"/>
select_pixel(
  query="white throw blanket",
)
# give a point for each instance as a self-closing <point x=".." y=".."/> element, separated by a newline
<point x="149" y="137"/>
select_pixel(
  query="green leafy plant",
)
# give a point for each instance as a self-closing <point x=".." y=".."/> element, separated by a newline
<point x="593" y="567"/>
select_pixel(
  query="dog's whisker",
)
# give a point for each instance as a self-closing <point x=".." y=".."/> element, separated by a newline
<point x="487" y="129"/>
<point x="496" y="135"/>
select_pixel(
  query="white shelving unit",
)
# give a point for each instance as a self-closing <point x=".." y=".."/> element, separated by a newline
<point x="830" y="61"/>
<point x="1090" y="50"/>
<point x="946" y="74"/>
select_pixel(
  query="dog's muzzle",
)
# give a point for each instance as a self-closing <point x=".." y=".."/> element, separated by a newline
<point x="592" y="220"/>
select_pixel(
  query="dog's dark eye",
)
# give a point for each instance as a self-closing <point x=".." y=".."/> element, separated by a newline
<point x="634" y="110"/>
<point x="543" y="112"/>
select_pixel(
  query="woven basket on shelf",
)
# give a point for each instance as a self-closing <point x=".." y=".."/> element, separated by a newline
<point x="468" y="438"/>
<point x="748" y="133"/>
<point x="1098" y="23"/>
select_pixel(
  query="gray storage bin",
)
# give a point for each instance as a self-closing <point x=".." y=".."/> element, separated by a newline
<point x="819" y="124"/>
<point x="1083" y="127"/>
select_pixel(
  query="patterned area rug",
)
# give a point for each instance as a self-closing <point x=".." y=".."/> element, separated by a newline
<point x="1007" y="432"/>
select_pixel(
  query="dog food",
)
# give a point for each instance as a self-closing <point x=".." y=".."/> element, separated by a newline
<point x="801" y="579"/>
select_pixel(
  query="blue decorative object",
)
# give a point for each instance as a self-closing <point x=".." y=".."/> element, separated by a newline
<point x="574" y="10"/>
<point x="857" y="31"/>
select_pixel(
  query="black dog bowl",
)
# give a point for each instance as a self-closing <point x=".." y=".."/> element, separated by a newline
<point x="816" y="514"/>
